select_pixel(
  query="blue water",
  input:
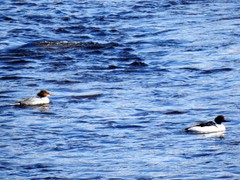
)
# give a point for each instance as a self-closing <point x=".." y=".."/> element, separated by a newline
<point x="127" y="77"/>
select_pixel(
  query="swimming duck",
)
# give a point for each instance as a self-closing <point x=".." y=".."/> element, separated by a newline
<point x="41" y="99"/>
<point x="209" y="127"/>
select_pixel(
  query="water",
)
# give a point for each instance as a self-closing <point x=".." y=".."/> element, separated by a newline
<point x="127" y="77"/>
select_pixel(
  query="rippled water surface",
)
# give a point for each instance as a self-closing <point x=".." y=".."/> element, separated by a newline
<point x="127" y="77"/>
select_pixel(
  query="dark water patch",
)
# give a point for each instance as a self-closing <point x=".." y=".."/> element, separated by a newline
<point x="23" y="3"/>
<point x="164" y="31"/>
<point x="234" y="143"/>
<point x="212" y="71"/>
<point x="98" y="31"/>
<point x="64" y="81"/>
<point x="201" y="154"/>
<point x="137" y="69"/>
<point x="43" y="110"/>
<point x="13" y="77"/>
<point x="45" y="19"/>
<point x="51" y="178"/>
<point x="19" y="52"/>
<point x="7" y="92"/>
<point x="5" y="165"/>
<point x="99" y="68"/>
<point x="111" y="45"/>
<point x="15" y="67"/>
<point x="227" y="176"/>
<point x="192" y="69"/>
<point x="18" y="61"/>
<point x="115" y="32"/>
<point x="62" y="30"/>
<point x="137" y="42"/>
<point x="175" y="112"/>
<point x="169" y="43"/>
<point x="196" y="49"/>
<point x="66" y="18"/>
<point x="58" y="67"/>
<point x="158" y="53"/>
<point x="142" y="113"/>
<point x="72" y="29"/>
<point x="7" y="18"/>
<point x="126" y="57"/>
<point x="87" y="96"/>
<point x="130" y="126"/>
<point x="96" y="52"/>
<point x="138" y="64"/>
<point x="21" y="31"/>
<point x="101" y="77"/>
<point x="4" y="97"/>
<point x="5" y="126"/>
<point x="172" y="4"/>
<point x="36" y="166"/>
<point x="146" y="6"/>
<point x="113" y="67"/>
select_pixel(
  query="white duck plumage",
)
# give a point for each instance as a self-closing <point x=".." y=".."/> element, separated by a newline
<point x="41" y="99"/>
<point x="209" y="127"/>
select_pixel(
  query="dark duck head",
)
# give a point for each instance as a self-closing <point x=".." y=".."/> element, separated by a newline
<point x="220" y="119"/>
<point x="44" y="93"/>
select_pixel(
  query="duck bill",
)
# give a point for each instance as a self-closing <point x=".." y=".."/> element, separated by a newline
<point x="226" y="120"/>
<point x="49" y="94"/>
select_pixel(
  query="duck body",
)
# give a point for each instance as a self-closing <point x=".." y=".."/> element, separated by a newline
<point x="32" y="101"/>
<point x="41" y="99"/>
<point x="208" y="127"/>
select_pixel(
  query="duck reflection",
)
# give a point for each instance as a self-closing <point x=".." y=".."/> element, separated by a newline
<point x="216" y="134"/>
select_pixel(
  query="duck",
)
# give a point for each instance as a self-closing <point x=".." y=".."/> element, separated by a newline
<point x="209" y="127"/>
<point x="40" y="99"/>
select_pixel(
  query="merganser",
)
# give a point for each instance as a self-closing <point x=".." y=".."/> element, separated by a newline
<point x="41" y="99"/>
<point x="209" y="127"/>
